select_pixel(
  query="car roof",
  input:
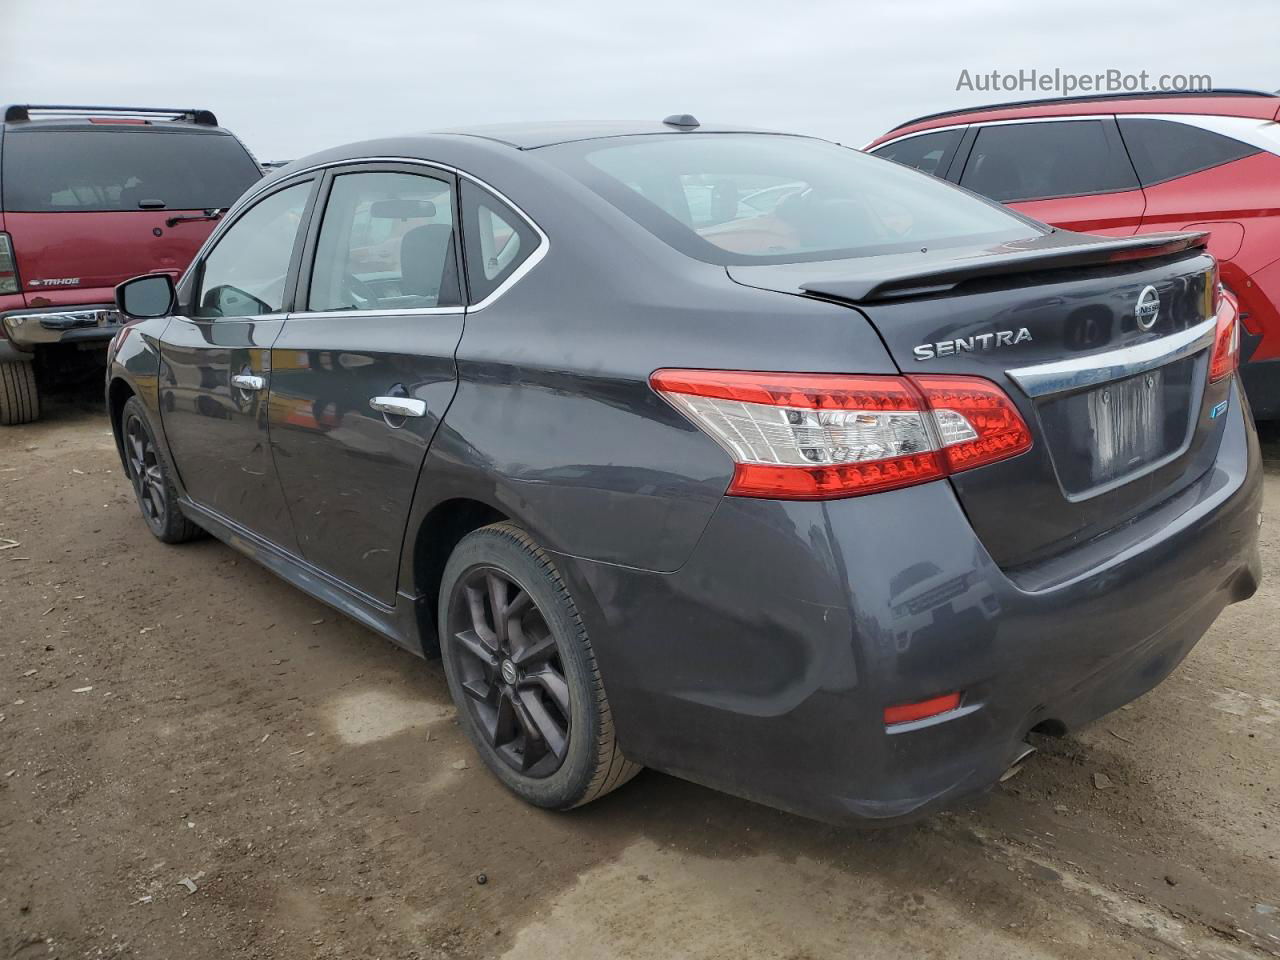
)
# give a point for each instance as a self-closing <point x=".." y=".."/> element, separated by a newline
<point x="531" y="136"/>
<point x="1227" y="103"/>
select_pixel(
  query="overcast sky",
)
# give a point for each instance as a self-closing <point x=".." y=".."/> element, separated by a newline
<point x="294" y="76"/>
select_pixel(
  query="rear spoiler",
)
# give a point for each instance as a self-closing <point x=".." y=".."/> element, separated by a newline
<point x="889" y="280"/>
<point x="21" y="112"/>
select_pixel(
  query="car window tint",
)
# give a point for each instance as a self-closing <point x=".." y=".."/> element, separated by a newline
<point x="386" y="243"/>
<point x="244" y="274"/>
<point x="1030" y="161"/>
<point x="1165" y="149"/>
<point x="924" y="152"/>
<point x="750" y="198"/>
<point x="49" y="171"/>
<point x="497" y="241"/>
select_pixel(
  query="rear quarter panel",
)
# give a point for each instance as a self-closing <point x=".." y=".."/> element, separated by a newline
<point x="555" y="422"/>
<point x="1245" y="192"/>
<point x="1239" y="204"/>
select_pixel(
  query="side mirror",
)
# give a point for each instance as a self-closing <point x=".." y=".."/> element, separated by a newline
<point x="143" y="298"/>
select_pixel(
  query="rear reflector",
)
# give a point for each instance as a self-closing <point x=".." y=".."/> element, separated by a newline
<point x="820" y="436"/>
<point x="8" y="269"/>
<point x="908" y="712"/>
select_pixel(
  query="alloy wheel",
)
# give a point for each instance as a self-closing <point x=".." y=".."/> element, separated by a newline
<point x="510" y="670"/>
<point x="144" y="468"/>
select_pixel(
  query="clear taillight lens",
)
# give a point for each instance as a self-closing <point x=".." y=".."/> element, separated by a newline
<point x="8" y="268"/>
<point x="1212" y="290"/>
<point x="1226" y="341"/>
<point x="816" y="436"/>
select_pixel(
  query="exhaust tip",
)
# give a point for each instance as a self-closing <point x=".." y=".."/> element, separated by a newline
<point x="1012" y="770"/>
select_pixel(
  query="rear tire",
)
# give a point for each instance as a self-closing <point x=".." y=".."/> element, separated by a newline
<point x="149" y="473"/>
<point x="525" y="682"/>
<point x="19" y="402"/>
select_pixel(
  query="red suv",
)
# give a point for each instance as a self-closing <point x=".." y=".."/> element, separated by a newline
<point x="1134" y="163"/>
<point x="90" y="196"/>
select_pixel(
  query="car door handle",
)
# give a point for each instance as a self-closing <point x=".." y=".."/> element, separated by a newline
<point x="399" y="406"/>
<point x="247" y="381"/>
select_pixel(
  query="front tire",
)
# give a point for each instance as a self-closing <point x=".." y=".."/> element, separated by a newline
<point x="522" y="672"/>
<point x="19" y="402"/>
<point x="152" y="485"/>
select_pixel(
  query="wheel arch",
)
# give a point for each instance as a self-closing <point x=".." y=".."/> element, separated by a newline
<point x="434" y="540"/>
<point x="118" y="394"/>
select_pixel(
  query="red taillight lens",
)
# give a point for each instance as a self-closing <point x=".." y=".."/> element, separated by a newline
<point x="976" y="420"/>
<point x="8" y="268"/>
<point x="908" y="712"/>
<point x="820" y="436"/>
<point x="1226" y="342"/>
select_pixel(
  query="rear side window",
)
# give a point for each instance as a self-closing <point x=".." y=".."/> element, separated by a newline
<point x="1036" y="161"/>
<point x="1165" y="149"/>
<point x="122" y="168"/>
<point x="497" y="241"/>
<point x="386" y="243"/>
<point x="929" y="152"/>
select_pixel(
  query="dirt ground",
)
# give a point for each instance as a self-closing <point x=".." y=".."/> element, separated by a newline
<point x="198" y="761"/>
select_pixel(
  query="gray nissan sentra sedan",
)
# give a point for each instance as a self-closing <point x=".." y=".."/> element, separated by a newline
<point x="826" y="499"/>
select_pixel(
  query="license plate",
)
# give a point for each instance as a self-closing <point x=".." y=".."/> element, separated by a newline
<point x="1127" y="418"/>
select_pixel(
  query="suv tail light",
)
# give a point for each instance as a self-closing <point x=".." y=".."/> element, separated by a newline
<point x="1226" y="342"/>
<point x="8" y="268"/>
<point x="798" y="436"/>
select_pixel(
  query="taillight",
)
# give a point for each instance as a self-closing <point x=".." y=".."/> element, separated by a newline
<point x="8" y="268"/>
<point x="820" y="436"/>
<point x="1226" y="342"/>
<point x="921" y="710"/>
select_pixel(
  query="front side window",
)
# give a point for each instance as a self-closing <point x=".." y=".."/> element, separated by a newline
<point x="754" y="198"/>
<point x="498" y="240"/>
<point x="244" y="275"/>
<point x="924" y="152"/>
<point x="1036" y="161"/>
<point x="123" y="168"/>
<point x="1165" y="149"/>
<point x="386" y="243"/>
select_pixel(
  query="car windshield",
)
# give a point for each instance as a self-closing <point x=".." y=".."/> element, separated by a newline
<point x="123" y="168"/>
<point x="758" y="198"/>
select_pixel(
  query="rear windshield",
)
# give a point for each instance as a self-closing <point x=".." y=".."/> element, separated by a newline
<point x="756" y="198"/>
<point x="49" y="171"/>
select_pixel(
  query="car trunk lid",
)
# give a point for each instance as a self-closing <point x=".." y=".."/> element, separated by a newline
<point x="1123" y="416"/>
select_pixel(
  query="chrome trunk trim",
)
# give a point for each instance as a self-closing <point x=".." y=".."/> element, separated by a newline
<point x="1092" y="369"/>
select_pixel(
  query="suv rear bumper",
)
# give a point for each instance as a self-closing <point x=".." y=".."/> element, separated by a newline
<point x="29" y="328"/>
<point x="763" y="666"/>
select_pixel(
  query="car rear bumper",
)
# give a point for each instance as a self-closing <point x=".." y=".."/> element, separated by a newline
<point x="29" y="328"/>
<point x="1261" y="379"/>
<point x="762" y="666"/>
